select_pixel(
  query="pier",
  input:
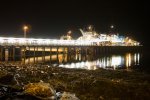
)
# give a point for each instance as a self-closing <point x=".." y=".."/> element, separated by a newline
<point x="26" y="47"/>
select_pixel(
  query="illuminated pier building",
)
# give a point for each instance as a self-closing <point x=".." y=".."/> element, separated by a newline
<point x="89" y="42"/>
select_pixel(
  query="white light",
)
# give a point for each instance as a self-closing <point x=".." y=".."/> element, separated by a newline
<point x="138" y="58"/>
<point x="111" y="26"/>
<point x="116" y="61"/>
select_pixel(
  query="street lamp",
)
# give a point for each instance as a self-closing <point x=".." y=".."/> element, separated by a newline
<point x="25" y="28"/>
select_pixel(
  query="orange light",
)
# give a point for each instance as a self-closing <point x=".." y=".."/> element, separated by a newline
<point x="25" y="27"/>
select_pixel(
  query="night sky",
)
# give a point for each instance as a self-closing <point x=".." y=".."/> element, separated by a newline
<point x="53" y="18"/>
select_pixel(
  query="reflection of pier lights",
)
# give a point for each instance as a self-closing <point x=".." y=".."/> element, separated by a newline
<point x="40" y="59"/>
<point x="128" y="60"/>
<point x="45" y="50"/>
<point x="42" y="50"/>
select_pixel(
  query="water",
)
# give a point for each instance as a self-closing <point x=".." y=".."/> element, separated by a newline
<point x="111" y="61"/>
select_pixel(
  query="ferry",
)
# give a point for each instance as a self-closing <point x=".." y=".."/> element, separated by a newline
<point x="106" y="39"/>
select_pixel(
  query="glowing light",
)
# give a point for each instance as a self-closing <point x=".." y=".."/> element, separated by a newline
<point x="25" y="27"/>
<point x="111" y="26"/>
<point x="138" y="58"/>
<point x="69" y="32"/>
<point x="116" y="61"/>
<point x="128" y="60"/>
<point x="129" y="41"/>
<point x="135" y="58"/>
<point x="72" y="65"/>
<point x="89" y="42"/>
<point x="90" y="27"/>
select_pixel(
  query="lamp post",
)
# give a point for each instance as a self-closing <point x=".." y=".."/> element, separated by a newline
<point x="25" y="28"/>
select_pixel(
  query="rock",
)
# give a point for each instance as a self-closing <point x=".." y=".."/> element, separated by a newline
<point x="6" y="91"/>
<point x="68" y="96"/>
<point x="41" y="90"/>
<point x="8" y="80"/>
<point x="58" y="95"/>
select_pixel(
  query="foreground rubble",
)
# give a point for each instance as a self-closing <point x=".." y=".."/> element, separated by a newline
<point x="24" y="81"/>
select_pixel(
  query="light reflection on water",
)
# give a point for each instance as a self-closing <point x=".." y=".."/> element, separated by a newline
<point x="91" y="62"/>
<point x="107" y="62"/>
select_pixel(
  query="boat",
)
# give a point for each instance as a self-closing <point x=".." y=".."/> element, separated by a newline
<point x="106" y="39"/>
<point x="102" y="39"/>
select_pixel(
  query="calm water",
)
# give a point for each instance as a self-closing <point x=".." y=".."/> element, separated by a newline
<point x="107" y="61"/>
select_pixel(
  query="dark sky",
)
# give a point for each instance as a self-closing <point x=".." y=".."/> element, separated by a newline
<point x="53" y="18"/>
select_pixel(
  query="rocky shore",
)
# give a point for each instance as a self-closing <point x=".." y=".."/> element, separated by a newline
<point x="45" y="82"/>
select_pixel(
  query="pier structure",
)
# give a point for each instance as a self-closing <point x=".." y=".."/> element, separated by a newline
<point x="24" y="47"/>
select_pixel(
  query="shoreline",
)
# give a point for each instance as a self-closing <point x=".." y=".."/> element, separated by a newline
<point x="86" y="84"/>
